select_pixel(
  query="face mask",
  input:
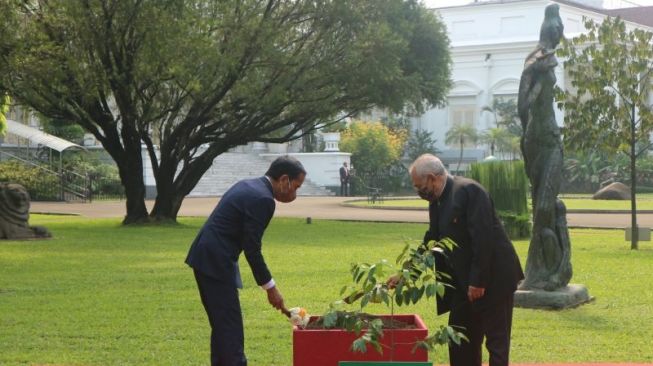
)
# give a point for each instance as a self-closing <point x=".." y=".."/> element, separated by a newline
<point x="425" y="194"/>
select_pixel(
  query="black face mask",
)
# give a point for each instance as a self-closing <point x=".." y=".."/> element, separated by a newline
<point x="425" y="194"/>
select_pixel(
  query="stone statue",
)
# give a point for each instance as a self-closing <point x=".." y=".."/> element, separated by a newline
<point x="548" y="266"/>
<point x="14" y="214"/>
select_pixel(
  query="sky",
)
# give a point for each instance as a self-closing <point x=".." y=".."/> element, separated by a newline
<point x="441" y="3"/>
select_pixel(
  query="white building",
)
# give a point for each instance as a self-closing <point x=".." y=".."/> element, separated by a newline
<point x="489" y="43"/>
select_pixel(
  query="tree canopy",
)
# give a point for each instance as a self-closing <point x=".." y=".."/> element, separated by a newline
<point x="374" y="147"/>
<point x="420" y="142"/>
<point x="609" y="104"/>
<point x="191" y="79"/>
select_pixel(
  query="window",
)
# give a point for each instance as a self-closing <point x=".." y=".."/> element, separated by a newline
<point x="463" y="114"/>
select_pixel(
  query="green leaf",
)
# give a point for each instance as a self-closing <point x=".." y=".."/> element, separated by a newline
<point x="401" y="255"/>
<point x="343" y="289"/>
<point x="399" y="298"/>
<point x="330" y="319"/>
<point x="366" y="299"/>
<point x="359" y="345"/>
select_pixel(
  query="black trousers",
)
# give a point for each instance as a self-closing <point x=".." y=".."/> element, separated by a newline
<point x="221" y="303"/>
<point x="493" y="323"/>
<point x="343" y="188"/>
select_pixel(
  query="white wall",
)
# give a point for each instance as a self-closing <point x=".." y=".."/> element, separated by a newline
<point x="489" y="43"/>
<point x="321" y="168"/>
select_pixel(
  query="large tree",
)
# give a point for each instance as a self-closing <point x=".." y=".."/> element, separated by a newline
<point x="374" y="147"/>
<point x="198" y="77"/>
<point x="609" y="103"/>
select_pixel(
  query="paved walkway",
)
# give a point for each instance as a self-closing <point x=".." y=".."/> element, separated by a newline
<point x="322" y="208"/>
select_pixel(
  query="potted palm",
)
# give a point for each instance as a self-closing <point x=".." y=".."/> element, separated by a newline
<point x="342" y="337"/>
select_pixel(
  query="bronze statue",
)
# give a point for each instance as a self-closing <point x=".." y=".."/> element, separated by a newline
<point x="14" y="214"/>
<point x="548" y="266"/>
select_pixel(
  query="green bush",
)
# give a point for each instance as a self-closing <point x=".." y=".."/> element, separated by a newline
<point x="507" y="184"/>
<point x="41" y="184"/>
<point x="644" y="189"/>
<point x="517" y="226"/>
<point x="104" y="180"/>
<point x="376" y="152"/>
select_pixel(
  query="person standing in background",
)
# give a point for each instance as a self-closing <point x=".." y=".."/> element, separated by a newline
<point x="344" y="179"/>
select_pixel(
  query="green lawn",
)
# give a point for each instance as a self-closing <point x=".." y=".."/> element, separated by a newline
<point x="573" y="202"/>
<point x="102" y="294"/>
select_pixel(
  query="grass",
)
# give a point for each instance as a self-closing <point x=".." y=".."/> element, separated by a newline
<point x="102" y="294"/>
<point x="573" y="202"/>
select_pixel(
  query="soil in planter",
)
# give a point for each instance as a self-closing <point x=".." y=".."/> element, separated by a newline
<point x="388" y="323"/>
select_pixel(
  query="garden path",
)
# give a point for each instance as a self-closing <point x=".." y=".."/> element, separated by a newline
<point x="321" y="208"/>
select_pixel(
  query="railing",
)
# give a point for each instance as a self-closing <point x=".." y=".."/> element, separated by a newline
<point x="51" y="185"/>
<point x="105" y="189"/>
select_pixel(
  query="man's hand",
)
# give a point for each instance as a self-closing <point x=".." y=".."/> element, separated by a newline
<point x="275" y="299"/>
<point x="392" y="282"/>
<point x="475" y="293"/>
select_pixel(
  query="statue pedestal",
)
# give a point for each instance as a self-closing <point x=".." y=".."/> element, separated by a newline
<point x="565" y="297"/>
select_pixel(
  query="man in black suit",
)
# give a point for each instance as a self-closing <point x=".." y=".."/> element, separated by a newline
<point x="344" y="179"/>
<point x="483" y="265"/>
<point x="237" y="225"/>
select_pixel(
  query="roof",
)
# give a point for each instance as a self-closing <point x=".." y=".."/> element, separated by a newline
<point x="40" y="137"/>
<point x="640" y="14"/>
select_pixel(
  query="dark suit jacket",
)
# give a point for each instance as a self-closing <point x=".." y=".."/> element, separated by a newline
<point x="344" y="174"/>
<point x="484" y="256"/>
<point x="236" y="225"/>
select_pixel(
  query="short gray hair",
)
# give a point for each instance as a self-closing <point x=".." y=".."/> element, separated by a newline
<point x="426" y="164"/>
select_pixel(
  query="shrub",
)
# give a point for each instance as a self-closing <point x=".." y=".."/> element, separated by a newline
<point x="507" y="184"/>
<point x="41" y="184"/>
<point x="517" y="226"/>
<point x="376" y="151"/>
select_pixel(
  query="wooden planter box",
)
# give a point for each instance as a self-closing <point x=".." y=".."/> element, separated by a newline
<point x="327" y="347"/>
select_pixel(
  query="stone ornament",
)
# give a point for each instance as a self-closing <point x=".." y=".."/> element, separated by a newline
<point x="14" y="214"/>
<point x="613" y="191"/>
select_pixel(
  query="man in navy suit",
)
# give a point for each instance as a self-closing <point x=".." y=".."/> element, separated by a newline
<point x="237" y="225"/>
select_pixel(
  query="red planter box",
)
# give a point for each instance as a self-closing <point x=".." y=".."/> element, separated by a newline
<point x="326" y="347"/>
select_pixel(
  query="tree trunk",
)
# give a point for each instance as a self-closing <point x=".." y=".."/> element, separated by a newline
<point x="172" y="190"/>
<point x="634" y="238"/>
<point x="168" y="199"/>
<point x="460" y="160"/>
<point x="166" y="206"/>
<point x="131" y="175"/>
